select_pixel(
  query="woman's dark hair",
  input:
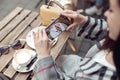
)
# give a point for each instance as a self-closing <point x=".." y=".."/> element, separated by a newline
<point x="119" y="2"/>
<point x="116" y="56"/>
<point x="114" y="46"/>
<point x="116" y="52"/>
<point x="108" y="43"/>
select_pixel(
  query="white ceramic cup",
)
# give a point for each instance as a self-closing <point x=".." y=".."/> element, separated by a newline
<point x="22" y="57"/>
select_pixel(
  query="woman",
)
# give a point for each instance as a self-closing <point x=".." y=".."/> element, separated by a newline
<point x="104" y="65"/>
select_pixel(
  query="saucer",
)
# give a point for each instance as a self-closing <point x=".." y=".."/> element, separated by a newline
<point x="30" y="40"/>
<point x="24" y="69"/>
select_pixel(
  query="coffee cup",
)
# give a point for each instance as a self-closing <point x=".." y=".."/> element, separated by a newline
<point x="23" y="57"/>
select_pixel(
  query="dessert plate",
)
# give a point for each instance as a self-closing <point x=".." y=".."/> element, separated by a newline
<point x="30" y="40"/>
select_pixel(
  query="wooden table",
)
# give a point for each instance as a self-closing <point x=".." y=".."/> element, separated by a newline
<point x="15" y="26"/>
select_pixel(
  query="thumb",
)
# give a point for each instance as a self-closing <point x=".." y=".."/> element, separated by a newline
<point x="51" y="42"/>
<point x="71" y="26"/>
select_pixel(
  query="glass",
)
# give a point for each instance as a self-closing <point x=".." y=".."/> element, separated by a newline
<point x="15" y="45"/>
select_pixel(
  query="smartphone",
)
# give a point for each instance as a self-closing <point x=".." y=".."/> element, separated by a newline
<point x="57" y="26"/>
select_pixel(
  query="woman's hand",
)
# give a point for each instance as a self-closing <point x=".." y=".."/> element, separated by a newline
<point x="42" y="44"/>
<point x="77" y="18"/>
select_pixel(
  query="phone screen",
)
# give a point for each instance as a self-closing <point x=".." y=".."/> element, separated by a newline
<point x="57" y="27"/>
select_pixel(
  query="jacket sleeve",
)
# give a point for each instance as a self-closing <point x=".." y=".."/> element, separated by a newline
<point x="94" y="29"/>
<point x="46" y="69"/>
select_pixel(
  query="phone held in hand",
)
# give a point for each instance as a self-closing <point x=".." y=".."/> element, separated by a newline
<point x="57" y="26"/>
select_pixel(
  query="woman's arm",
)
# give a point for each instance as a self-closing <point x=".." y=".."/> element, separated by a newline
<point x="45" y="68"/>
<point x="94" y="29"/>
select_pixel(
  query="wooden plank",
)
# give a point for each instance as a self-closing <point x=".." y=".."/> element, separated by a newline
<point x="22" y="76"/>
<point x="36" y="22"/>
<point x="59" y="45"/>
<point x="23" y="35"/>
<point x="5" y="59"/>
<point x="13" y="24"/>
<point x="10" y="72"/>
<point x="20" y="28"/>
<point x="9" y="17"/>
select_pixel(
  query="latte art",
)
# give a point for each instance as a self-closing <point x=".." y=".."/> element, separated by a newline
<point x="23" y="58"/>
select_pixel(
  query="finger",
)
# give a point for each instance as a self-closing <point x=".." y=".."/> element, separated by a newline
<point x="51" y="42"/>
<point x="80" y="11"/>
<point x="69" y="14"/>
<point x="44" y="33"/>
<point x="71" y="27"/>
<point x="35" y="35"/>
<point x="40" y="34"/>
